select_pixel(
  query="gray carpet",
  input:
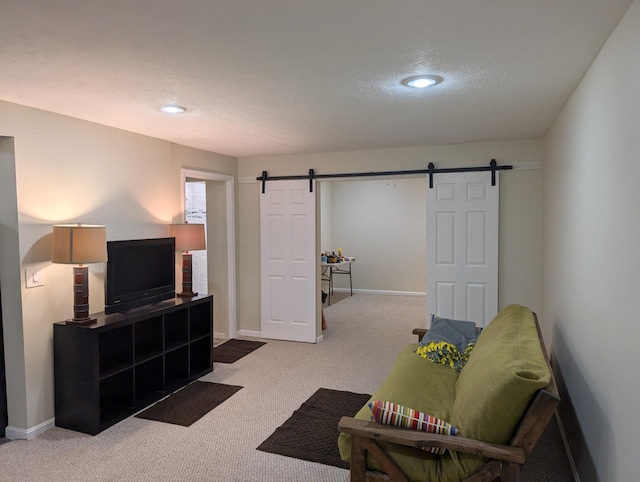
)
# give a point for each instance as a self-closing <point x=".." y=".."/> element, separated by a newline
<point x="365" y="333"/>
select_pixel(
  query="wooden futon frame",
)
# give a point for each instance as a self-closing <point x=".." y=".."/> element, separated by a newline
<point x="505" y="461"/>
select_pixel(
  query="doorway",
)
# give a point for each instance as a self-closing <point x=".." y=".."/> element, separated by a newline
<point x="214" y="207"/>
<point x="382" y="223"/>
<point x="195" y="212"/>
<point x="393" y="260"/>
<point x="390" y="227"/>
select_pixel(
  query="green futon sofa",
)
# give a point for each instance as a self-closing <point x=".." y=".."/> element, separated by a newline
<point x="500" y="402"/>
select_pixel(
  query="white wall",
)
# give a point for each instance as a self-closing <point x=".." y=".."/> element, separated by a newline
<point x="520" y="209"/>
<point x="591" y="264"/>
<point x="218" y="255"/>
<point x="68" y="170"/>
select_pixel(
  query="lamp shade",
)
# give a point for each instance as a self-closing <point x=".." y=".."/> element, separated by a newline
<point x="78" y="244"/>
<point x="189" y="237"/>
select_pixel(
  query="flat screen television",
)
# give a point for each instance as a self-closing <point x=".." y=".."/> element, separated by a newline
<point x="139" y="272"/>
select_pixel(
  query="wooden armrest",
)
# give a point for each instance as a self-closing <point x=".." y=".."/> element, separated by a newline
<point x="420" y="332"/>
<point x="418" y="439"/>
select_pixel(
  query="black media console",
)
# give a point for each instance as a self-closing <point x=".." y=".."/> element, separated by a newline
<point x="110" y="369"/>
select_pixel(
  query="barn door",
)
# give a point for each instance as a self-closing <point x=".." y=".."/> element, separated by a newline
<point x="288" y="261"/>
<point x="462" y="247"/>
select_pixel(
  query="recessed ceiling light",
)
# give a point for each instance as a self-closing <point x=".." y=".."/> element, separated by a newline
<point x="421" y="81"/>
<point x="172" y="109"/>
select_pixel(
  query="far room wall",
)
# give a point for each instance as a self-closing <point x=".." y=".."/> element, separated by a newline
<point x="381" y="222"/>
<point x="520" y="209"/>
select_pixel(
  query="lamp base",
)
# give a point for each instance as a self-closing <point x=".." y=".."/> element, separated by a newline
<point x="80" y="321"/>
<point x="187" y="276"/>
<point x="187" y="294"/>
<point x="80" y="297"/>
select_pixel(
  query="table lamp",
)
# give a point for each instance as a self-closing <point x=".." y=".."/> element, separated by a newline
<point x="79" y="244"/>
<point x="189" y="237"/>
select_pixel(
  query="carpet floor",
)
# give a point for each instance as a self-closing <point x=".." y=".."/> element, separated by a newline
<point x="365" y="333"/>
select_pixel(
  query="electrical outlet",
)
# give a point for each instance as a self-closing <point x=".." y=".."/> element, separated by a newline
<point x="34" y="277"/>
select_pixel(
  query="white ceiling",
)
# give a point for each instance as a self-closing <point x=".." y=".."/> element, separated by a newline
<point x="262" y="77"/>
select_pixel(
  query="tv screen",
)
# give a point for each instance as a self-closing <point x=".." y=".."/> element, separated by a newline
<point x="139" y="272"/>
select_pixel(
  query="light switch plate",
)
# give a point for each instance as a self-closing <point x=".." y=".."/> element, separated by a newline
<point x="34" y="277"/>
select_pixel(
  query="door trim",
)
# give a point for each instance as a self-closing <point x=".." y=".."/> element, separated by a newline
<point x="231" y="234"/>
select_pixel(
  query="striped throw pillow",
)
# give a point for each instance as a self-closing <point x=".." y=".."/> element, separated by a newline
<point x="390" y="413"/>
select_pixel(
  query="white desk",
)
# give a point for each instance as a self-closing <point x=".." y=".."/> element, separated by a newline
<point x="342" y="267"/>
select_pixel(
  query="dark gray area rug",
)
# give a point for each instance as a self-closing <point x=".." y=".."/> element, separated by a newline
<point x="311" y="433"/>
<point x="232" y="350"/>
<point x="188" y="405"/>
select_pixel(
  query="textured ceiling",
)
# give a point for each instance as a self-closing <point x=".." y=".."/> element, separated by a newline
<point x="263" y="77"/>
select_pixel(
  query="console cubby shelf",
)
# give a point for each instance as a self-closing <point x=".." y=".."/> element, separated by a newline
<point x="110" y="369"/>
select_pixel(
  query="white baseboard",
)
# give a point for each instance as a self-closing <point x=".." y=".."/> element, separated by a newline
<point x="383" y="292"/>
<point x="221" y="336"/>
<point x="257" y="334"/>
<point x="253" y="334"/>
<point x="14" y="433"/>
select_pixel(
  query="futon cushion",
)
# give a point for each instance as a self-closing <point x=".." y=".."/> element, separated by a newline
<point x="428" y="387"/>
<point x="484" y="401"/>
<point x="505" y="369"/>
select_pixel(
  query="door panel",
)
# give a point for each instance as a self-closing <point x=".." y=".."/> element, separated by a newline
<point x="462" y="247"/>
<point x="288" y="261"/>
<point x="445" y="299"/>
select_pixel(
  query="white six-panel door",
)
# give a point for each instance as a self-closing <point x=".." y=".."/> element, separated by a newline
<point x="288" y="261"/>
<point x="462" y="247"/>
